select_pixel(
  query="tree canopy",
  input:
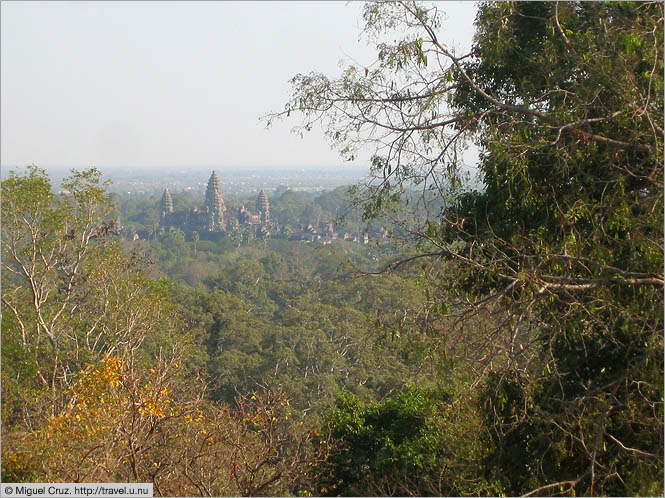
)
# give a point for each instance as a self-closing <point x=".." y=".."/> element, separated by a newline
<point x="561" y="246"/>
<point x="512" y="347"/>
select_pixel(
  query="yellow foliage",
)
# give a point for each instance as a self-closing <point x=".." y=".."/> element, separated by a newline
<point x="104" y="403"/>
<point x="119" y="425"/>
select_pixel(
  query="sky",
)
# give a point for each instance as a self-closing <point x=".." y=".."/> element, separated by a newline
<point x="165" y="84"/>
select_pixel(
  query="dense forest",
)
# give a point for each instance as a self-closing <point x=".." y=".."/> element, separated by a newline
<point x="502" y="339"/>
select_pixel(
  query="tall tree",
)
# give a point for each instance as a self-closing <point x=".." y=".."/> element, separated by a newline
<point x="69" y="293"/>
<point x="562" y="245"/>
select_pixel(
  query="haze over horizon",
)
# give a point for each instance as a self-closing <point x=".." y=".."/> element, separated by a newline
<point x="156" y="85"/>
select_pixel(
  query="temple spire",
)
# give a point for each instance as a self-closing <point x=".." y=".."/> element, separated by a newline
<point x="214" y="204"/>
<point x="263" y="206"/>
<point x="166" y="203"/>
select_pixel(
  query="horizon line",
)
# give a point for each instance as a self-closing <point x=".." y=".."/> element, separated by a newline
<point x="221" y="166"/>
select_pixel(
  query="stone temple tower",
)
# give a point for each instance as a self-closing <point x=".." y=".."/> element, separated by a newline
<point x="214" y="205"/>
<point x="263" y="207"/>
<point x="166" y="204"/>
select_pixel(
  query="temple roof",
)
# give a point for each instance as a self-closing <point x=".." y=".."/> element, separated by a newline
<point x="214" y="201"/>
<point x="262" y="203"/>
<point x="167" y="201"/>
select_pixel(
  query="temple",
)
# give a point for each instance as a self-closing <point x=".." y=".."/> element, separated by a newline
<point x="213" y="217"/>
<point x="213" y="221"/>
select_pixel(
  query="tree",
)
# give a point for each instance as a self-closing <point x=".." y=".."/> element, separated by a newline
<point x="69" y="292"/>
<point x="130" y="426"/>
<point x="101" y="376"/>
<point x="195" y="239"/>
<point x="45" y="243"/>
<point x="404" y="446"/>
<point x="562" y="245"/>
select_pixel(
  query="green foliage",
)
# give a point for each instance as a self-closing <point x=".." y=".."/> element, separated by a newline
<point x="69" y="293"/>
<point x="412" y="444"/>
<point x="535" y="337"/>
<point x="559" y="251"/>
<point x="128" y="351"/>
<point x="19" y="367"/>
<point x="574" y="209"/>
<point x="279" y="319"/>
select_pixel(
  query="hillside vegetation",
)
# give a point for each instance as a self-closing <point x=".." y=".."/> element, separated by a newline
<point x="504" y="340"/>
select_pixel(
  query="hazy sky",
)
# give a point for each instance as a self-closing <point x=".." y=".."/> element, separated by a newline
<point x="171" y="83"/>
